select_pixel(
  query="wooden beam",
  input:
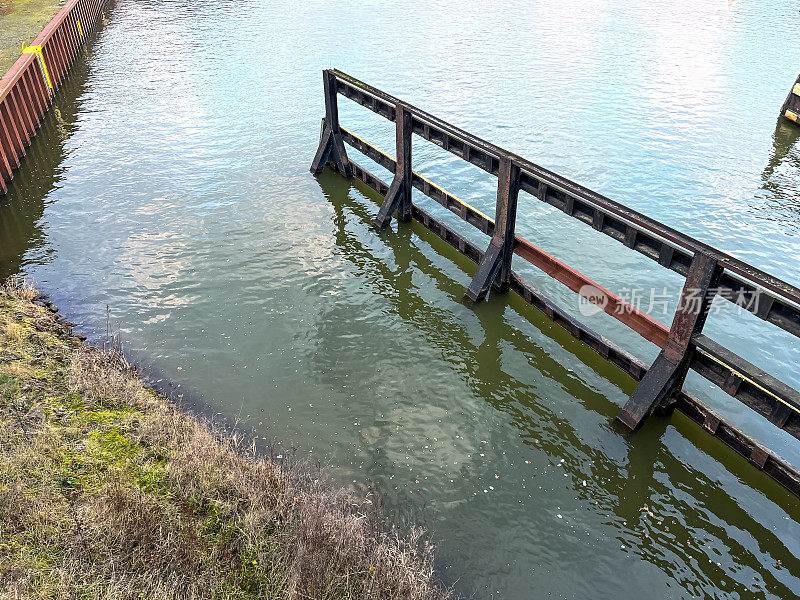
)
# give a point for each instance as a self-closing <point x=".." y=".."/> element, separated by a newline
<point x="495" y="267"/>
<point x="331" y="146"/>
<point x="665" y="378"/>
<point x="398" y="198"/>
<point x="637" y="231"/>
<point x="774" y="466"/>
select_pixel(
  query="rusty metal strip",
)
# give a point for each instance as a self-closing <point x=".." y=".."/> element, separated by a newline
<point x="26" y="89"/>
<point x="770" y="463"/>
<point x="650" y="329"/>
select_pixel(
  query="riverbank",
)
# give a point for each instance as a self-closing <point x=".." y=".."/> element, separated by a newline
<point x="20" y="22"/>
<point x="109" y="491"/>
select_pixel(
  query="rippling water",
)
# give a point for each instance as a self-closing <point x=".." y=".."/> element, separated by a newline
<point x="172" y="186"/>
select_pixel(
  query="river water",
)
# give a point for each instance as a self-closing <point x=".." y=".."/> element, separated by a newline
<point x="172" y="186"/>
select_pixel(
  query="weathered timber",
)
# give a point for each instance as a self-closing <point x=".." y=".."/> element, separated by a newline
<point x="791" y="107"/>
<point x="331" y="146"/>
<point x="709" y="272"/>
<point x="495" y="267"/>
<point x="754" y="387"/>
<point x="740" y="282"/>
<point x="399" y="195"/>
<point x="642" y="323"/>
<point x="665" y="378"/>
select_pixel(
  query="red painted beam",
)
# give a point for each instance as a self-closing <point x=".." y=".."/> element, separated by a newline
<point x="642" y="323"/>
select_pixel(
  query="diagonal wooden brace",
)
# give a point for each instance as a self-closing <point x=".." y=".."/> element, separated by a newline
<point x="495" y="267"/>
<point x="665" y="377"/>
<point x="331" y="145"/>
<point x="331" y="150"/>
<point x="398" y="198"/>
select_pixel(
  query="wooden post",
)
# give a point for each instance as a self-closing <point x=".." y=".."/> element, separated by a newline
<point x="665" y="377"/>
<point x="398" y="198"/>
<point x="791" y="107"/>
<point x="495" y="267"/>
<point x="331" y="146"/>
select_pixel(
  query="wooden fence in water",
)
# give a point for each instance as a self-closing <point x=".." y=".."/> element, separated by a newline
<point x="27" y="90"/>
<point x="708" y="272"/>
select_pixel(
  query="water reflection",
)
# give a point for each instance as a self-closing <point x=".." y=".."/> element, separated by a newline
<point x="183" y="202"/>
<point x="780" y="177"/>
<point x="23" y="228"/>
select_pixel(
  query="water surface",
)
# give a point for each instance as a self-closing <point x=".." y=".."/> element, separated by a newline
<point x="172" y="186"/>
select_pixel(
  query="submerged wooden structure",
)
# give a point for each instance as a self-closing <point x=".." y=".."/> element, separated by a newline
<point x="708" y="271"/>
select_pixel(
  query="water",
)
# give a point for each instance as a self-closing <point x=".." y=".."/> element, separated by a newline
<point x="172" y="186"/>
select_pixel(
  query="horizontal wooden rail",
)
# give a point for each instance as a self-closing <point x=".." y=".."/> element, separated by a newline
<point x="754" y="387"/>
<point x="715" y="363"/>
<point x="778" y="301"/>
<point x="708" y="270"/>
<point x="642" y="323"/>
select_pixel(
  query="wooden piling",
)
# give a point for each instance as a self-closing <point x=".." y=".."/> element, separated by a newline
<point x="665" y="377"/>
<point x="331" y="147"/>
<point x="791" y="107"/>
<point x="495" y="267"/>
<point x="398" y="198"/>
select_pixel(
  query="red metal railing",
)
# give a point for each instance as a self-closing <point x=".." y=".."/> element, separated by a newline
<point x="26" y="91"/>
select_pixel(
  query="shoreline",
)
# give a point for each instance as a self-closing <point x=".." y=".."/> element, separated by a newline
<point x="107" y="489"/>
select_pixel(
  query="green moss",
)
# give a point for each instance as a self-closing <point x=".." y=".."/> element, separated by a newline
<point x="10" y="387"/>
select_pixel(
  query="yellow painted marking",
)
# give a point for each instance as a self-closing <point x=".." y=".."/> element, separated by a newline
<point x="80" y="30"/>
<point x="747" y="379"/>
<point x="791" y="116"/>
<point x="37" y="50"/>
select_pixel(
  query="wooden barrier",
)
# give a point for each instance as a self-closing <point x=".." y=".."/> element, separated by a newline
<point x="791" y="107"/>
<point x="27" y="90"/>
<point x="709" y="272"/>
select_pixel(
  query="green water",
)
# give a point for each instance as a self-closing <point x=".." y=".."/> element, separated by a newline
<point x="172" y="186"/>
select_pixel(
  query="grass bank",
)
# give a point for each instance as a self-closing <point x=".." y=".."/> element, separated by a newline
<point x="109" y="491"/>
<point x="21" y="21"/>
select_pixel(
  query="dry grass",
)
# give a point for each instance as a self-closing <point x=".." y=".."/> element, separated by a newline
<point x="18" y="288"/>
<point x="11" y="331"/>
<point x="108" y="491"/>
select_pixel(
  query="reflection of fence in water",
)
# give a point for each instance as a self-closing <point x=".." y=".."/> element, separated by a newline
<point x="709" y="272"/>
